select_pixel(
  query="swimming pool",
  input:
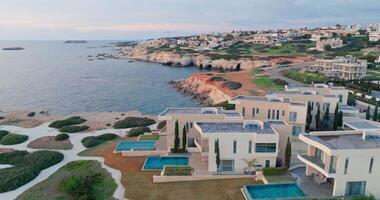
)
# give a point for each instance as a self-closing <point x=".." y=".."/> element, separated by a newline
<point x="134" y="145"/>
<point x="158" y="163"/>
<point x="273" y="191"/>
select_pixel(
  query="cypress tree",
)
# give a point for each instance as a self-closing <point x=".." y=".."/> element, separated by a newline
<point x="184" y="139"/>
<point x="288" y="153"/>
<point x="340" y="117"/>
<point x="336" y="118"/>
<point x="318" y="117"/>
<point x="375" y="113"/>
<point x="368" y="113"/>
<point x="308" y="117"/>
<point x="326" y="117"/>
<point x="176" y="137"/>
<point x="217" y="156"/>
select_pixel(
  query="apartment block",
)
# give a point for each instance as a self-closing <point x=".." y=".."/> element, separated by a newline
<point x="187" y="116"/>
<point x="272" y="108"/>
<point x="346" y="160"/>
<point x="341" y="67"/>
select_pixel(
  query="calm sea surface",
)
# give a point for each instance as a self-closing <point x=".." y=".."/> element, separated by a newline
<point x="51" y="75"/>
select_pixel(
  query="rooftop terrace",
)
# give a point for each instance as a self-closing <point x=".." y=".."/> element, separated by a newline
<point x="348" y="141"/>
<point x="229" y="127"/>
<point x="267" y="99"/>
<point x="199" y="111"/>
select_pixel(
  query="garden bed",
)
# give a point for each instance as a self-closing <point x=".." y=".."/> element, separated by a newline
<point x="177" y="171"/>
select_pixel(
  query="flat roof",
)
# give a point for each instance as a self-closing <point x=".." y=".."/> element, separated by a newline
<point x="198" y="111"/>
<point x="266" y="99"/>
<point x="348" y="141"/>
<point x="235" y="127"/>
<point x="301" y="93"/>
<point x="362" y="125"/>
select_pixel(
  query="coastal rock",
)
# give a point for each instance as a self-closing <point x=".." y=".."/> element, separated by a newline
<point x="13" y="48"/>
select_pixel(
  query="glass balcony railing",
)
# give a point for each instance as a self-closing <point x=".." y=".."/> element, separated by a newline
<point x="314" y="160"/>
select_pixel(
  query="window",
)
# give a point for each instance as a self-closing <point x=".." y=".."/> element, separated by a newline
<point x="267" y="163"/>
<point x="340" y="98"/>
<point x="356" y="188"/>
<point x="268" y="113"/>
<point x="370" y="165"/>
<point x="243" y="112"/>
<point x="325" y="106"/>
<point x="257" y="110"/>
<point x="187" y="126"/>
<point x="250" y="146"/>
<point x="227" y="165"/>
<point x="293" y="116"/>
<point x="332" y="168"/>
<point x="253" y="112"/>
<point x="346" y="166"/>
<point x="190" y="142"/>
<point x="283" y="113"/>
<point x="318" y="154"/>
<point x="191" y="124"/>
<point x="278" y="114"/>
<point x="266" y="147"/>
<point x="215" y="145"/>
<point x="234" y="146"/>
<point x="296" y="130"/>
<point x="273" y="114"/>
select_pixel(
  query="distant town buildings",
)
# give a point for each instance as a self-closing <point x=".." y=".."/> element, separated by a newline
<point x="332" y="43"/>
<point x="346" y="68"/>
<point x="374" y="36"/>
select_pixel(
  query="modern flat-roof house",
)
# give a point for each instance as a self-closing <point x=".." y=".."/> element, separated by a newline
<point x="342" y="67"/>
<point x="322" y="89"/>
<point x="187" y="117"/>
<point x="348" y="160"/>
<point x="239" y="143"/>
<point x="272" y="108"/>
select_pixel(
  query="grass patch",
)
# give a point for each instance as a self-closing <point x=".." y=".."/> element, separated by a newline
<point x="267" y="82"/>
<point x="13" y="138"/>
<point x="281" y="178"/>
<point x="304" y="77"/>
<point x="275" y="175"/>
<point x="50" y="188"/>
<point x="177" y="170"/>
<point x="26" y="167"/>
<point x="150" y="137"/>
<point x="130" y="122"/>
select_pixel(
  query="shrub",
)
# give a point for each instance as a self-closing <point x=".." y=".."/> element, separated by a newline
<point x="3" y="133"/>
<point x="179" y="150"/>
<point x="12" y="157"/>
<point x="232" y="85"/>
<point x="177" y="171"/>
<point x="26" y="167"/>
<point x="13" y="138"/>
<point x="31" y="114"/>
<point x="161" y="125"/>
<point x="107" y="136"/>
<point x="73" y="129"/>
<point x="67" y="122"/>
<point x="90" y="141"/>
<point x="270" y="171"/>
<point x="129" y="122"/>
<point x="138" y="131"/>
<point x="82" y="186"/>
<point x="61" y="136"/>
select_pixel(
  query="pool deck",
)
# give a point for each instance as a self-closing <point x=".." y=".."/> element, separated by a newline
<point x="310" y="187"/>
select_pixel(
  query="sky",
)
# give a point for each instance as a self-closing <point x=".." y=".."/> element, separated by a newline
<point x="143" y="19"/>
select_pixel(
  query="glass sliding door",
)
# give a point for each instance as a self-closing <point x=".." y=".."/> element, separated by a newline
<point x="356" y="188"/>
<point x="226" y="166"/>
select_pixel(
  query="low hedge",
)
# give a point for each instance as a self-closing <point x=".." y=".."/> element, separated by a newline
<point x="270" y="171"/>
<point x="130" y="122"/>
<point x="92" y="141"/>
<point x="13" y="138"/>
<point x="3" y="133"/>
<point x="177" y="170"/>
<point x="73" y="129"/>
<point x="61" y="137"/>
<point x="67" y="122"/>
<point x="26" y="167"/>
<point x="138" y="131"/>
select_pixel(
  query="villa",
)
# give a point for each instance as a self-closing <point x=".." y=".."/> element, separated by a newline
<point x="239" y="143"/>
<point x="187" y="116"/>
<point x="344" y="160"/>
<point x="272" y="108"/>
<point x="346" y="68"/>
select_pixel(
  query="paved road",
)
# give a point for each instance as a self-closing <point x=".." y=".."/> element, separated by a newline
<point x="276" y="72"/>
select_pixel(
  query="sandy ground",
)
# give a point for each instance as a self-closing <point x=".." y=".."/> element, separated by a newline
<point x="95" y="120"/>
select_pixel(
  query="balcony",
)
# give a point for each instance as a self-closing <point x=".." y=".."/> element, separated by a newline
<point x="317" y="164"/>
<point x="314" y="160"/>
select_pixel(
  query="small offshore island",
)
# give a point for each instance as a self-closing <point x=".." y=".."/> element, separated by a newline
<point x="13" y="48"/>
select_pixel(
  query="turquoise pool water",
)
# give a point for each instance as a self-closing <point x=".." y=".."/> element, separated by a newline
<point x="158" y="163"/>
<point x="273" y="191"/>
<point x="135" y="145"/>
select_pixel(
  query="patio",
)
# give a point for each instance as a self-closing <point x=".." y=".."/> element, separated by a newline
<point x="309" y="186"/>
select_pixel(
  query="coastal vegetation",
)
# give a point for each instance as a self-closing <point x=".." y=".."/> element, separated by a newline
<point x="92" y="141"/>
<point x="304" y="77"/>
<point x="130" y="122"/>
<point x="138" y="131"/>
<point x="3" y="133"/>
<point x="26" y="167"/>
<point x="61" y="136"/>
<point x="82" y="179"/>
<point x="12" y="138"/>
<point x="73" y="129"/>
<point x="67" y="122"/>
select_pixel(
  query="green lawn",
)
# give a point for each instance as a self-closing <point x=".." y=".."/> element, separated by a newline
<point x="280" y="178"/>
<point x="266" y="82"/>
<point x="150" y="137"/>
<point x="304" y="77"/>
<point x="49" y="188"/>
